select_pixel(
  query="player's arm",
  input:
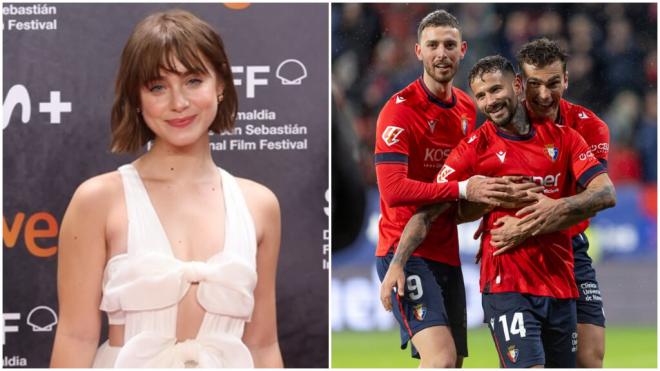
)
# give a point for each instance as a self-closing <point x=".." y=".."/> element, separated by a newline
<point x="413" y="235"/>
<point x="517" y="196"/>
<point x="80" y="263"/>
<point x="565" y="212"/>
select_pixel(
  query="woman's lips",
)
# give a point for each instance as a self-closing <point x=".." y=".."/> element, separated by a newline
<point x="182" y="122"/>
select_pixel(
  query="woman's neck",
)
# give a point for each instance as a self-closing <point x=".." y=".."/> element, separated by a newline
<point x="168" y="163"/>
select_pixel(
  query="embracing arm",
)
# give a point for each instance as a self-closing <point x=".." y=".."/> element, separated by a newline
<point x="80" y="263"/>
<point x="517" y="195"/>
<point x="396" y="189"/>
<point x="550" y="215"/>
<point x="260" y="334"/>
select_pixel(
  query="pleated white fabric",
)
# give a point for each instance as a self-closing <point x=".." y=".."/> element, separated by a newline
<point x="142" y="288"/>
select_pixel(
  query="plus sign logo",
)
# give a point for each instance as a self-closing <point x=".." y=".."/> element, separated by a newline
<point x="19" y="97"/>
<point x="55" y="107"/>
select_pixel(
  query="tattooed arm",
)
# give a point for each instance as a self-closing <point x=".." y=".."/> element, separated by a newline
<point x="565" y="212"/>
<point x="551" y="215"/>
<point x="413" y="235"/>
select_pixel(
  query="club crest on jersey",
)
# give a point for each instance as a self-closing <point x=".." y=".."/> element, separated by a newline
<point x="464" y="124"/>
<point x="552" y="151"/>
<point x="513" y="353"/>
<point x="443" y="174"/>
<point x="419" y="311"/>
<point x="432" y="125"/>
<point x="390" y="133"/>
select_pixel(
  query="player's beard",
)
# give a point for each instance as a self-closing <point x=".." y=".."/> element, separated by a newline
<point x="439" y="77"/>
<point x="506" y="109"/>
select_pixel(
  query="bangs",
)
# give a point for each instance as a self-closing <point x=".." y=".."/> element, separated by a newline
<point x="162" y="50"/>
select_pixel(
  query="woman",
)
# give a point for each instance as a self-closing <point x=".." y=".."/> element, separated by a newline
<point x="170" y="246"/>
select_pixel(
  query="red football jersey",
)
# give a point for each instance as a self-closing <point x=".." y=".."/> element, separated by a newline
<point x="594" y="131"/>
<point x="551" y="155"/>
<point x="415" y="134"/>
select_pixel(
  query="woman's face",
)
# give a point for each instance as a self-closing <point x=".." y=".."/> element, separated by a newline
<point x="179" y="107"/>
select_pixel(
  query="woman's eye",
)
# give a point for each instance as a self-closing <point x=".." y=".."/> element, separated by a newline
<point x="156" y="88"/>
<point x="194" y="81"/>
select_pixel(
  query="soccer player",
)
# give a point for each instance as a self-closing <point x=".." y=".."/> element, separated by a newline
<point x="416" y="130"/>
<point x="542" y="64"/>
<point x="527" y="292"/>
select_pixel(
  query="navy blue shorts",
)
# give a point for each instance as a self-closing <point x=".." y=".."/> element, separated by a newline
<point x="590" y="303"/>
<point x="532" y="330"/>
<point x="434" y="296"/>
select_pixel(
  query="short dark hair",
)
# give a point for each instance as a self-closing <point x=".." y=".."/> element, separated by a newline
<point x="540" y="53"/>
<point x="437" y="18"/>
<point x="156" y="42"/>
<point x="490" y="64"/>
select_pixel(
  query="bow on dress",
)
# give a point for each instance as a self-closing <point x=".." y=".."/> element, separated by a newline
<point x="155" y="281"/>
<point x="151" y="350"/>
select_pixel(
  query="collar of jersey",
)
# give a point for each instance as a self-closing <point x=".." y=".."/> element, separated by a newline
<point x="530" y="135"/>
<point x="434" y="99"/>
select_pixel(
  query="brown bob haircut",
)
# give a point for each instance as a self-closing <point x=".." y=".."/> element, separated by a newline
<point x="155" y="44"/>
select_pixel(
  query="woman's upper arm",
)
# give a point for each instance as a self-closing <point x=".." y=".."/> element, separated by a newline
<point x="261" y="332"/>
<point x="80" y="263"/>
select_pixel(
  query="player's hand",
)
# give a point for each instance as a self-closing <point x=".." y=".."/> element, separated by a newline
<point x="506" y="234"/>
<point x="394" y="279"/>
<point x="544" y="214"/>
<point x="521" y="189"/>
<point x="490" y="191"/>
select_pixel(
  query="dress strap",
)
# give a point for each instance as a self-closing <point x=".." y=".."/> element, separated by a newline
<point x="145" y="231"/>
<point x="241" y="233"/>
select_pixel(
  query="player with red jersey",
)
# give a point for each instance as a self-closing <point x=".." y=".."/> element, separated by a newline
<point x="528" y="292"/>
<point x="416" y="130"/>
<point x="543" y="67"/>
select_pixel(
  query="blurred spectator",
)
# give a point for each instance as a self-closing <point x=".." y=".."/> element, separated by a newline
<point x="623" y="59"/>
<point x="647" y="137"/>
<point x="622" y="116"/>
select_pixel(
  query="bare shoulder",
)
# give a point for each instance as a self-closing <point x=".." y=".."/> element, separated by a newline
<point x="259" y="197"/>
<point x="101" y="190"/>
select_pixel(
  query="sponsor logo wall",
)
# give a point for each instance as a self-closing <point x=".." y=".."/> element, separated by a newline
<point x="60" y="62"/>
<point x="624" y="234"/>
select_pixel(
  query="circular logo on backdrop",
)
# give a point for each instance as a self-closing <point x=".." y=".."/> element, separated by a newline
<point x="291" y="72"/>
<point x="42" y="319"/>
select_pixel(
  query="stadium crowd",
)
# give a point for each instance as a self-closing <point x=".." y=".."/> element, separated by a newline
<point x="612" y="66"/>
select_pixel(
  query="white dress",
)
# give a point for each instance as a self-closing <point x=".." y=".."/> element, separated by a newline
<point x="142" y="288"/>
